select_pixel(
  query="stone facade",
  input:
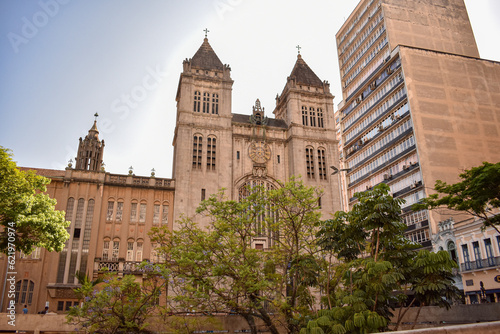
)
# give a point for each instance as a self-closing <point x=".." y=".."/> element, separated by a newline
<point x="111" y="214"/>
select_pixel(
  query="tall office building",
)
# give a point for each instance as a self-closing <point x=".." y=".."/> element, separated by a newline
<point x="418" y="103"/>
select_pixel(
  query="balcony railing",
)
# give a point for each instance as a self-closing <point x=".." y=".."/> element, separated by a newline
<point x="118" y="266"/>
<point x="490" y="262"/>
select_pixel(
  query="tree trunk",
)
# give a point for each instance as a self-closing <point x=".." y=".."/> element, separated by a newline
<point x="251" y="322"/>
<point x="416" y="317"/>
<point x="264" y="316"/>
<point x="400" y="316"/>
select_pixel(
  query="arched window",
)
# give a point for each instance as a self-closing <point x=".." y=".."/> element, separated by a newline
<point x="130" y="250"/>
<point x="105" y="250"/>
<point x="452" y="250"/>
<point x="142" y="212"/>
<point x="304" y="115"/>
<point x="215" y="103"/>
<point x="260" y="228"/>
<point x="197" y="151"/>
<point x="310" y="162"/>
<point x="133" y="212"/>
<point x="197" y="98"/>
<point x="24" y="291"/>
<point x="211" y="146"/>
<point x="321" y="163"/>
<point x="116" y="249"/>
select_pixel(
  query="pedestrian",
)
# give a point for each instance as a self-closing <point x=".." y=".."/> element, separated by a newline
<point x="25" y="309"/>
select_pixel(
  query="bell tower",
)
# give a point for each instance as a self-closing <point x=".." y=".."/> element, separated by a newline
<point x="90" y="150"/>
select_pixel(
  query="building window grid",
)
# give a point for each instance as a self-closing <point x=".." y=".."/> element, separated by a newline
<point x="215" y="104"/>
<point x="197" y="98"/>
<point x="383" y="107"/>
<point x="211" y="147"/>
<point x="360" y="77"/>
<point x="304" y="116"/>
<point x="142" y="213"/>
<point x="320" y="118"/>
<point x="206" y="102"/>
<point x="418" y="236"/>
<point x="138" y="253"/>
<point x="383" y="158"/>
<point x="164" y="217"/>
<point x="380" y="176"/>
<point x="371" y="100"/>
<point x="133" y="213"/>
<point x="489" y="252"/>
<point x="116" y="249"/>
<point x="415" y="217"/>
<point x="24" y="291"/>
<point x="356" y="22"/>
<point x="370" y="150"/>
<point x="369" y="57"/>
<point x="363" y="49"/>
<point x="119" y="212"/>
<point x="105" y="250"/>
<point x="413" y="198"/>
<point x="156" y="214"/>
<point x="477" y="254"/>
<point x="465" y="254"/>
<point x="197" y="151"/>
<point x="310" y="162"/>
<point x="353" y="48"/>
<point x="321" y="164"/>
<point x="109" y="214"/>
<point x="312" y="117"/>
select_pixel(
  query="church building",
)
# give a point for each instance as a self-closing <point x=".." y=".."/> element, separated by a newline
<point x="111" y="214"/>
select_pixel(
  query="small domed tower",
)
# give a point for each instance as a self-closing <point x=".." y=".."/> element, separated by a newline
<point x="90" y="150"/>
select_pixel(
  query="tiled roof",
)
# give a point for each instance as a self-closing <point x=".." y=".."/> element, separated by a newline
<point x="45" y="172"/>
<point x="304" y="75"/>
<point x="205" y="58"/>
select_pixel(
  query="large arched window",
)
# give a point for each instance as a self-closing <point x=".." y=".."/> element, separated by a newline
<point x="260" y="229"/>
<point x="24" y="291"/>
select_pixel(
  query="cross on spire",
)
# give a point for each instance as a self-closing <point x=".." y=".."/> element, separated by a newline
<point x="298" y="48"/>
<point x="96" y="115"/>
<point x="206" y="32"/>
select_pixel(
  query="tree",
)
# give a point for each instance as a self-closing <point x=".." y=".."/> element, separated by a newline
<point x="119" y="305"/>
<point x="28" y="216"/>
<point x="377" y="265"/>
<point x="478" y="193"/>
<point x="217" y="269"/>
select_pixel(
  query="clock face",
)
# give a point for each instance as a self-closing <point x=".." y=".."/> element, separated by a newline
<point x="259" y="152"/>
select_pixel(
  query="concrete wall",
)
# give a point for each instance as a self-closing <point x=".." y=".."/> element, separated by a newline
<point x="479" y="318"/>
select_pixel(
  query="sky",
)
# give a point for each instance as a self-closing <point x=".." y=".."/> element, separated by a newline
<point x="62" y="61"/>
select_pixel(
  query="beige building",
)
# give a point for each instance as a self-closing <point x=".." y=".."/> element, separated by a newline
<point x="232" y="150"/>
<point x="214" y="148"/>
<point x="419" y="105"/>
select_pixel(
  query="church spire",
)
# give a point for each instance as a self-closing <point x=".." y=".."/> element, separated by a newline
<point x="90" y="150"/>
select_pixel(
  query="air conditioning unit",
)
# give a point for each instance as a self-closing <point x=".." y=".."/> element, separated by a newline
<point x="405" y="167"/>
<point x="387" y="176"/>
<point x="413" y="186"/>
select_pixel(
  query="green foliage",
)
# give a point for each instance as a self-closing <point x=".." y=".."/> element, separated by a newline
<point x="119" y="305"/>
<point x="27" y="215"/>
<point x="478" y="193"/>
<point x="376" y="261"/>
<point x="215" y="267"/>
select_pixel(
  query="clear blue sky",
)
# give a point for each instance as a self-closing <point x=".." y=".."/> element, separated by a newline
<point x="61" y="61"/>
